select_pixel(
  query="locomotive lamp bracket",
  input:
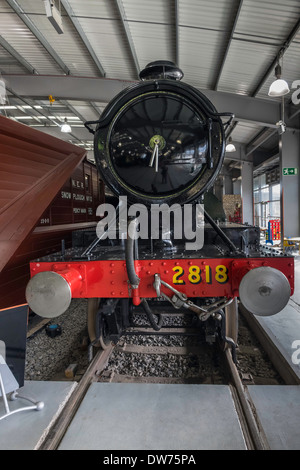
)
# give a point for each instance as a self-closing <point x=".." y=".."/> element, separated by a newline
<point x="180" y="300"/>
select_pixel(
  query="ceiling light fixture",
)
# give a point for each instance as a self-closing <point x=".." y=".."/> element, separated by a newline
<point x="230" y="146"/>
<point x="279" y="87"/>
<point x="8" y="107"/>
<point x="54" y="15"/>
<point x="281" y="125"/>
<point x="66" y="127"/>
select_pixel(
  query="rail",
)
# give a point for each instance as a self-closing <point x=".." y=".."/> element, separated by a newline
<point x="252" y="429"/>
<point x="58" y="429"/>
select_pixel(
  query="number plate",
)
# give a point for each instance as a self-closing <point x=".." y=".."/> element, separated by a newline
<point x="196" y="274"/>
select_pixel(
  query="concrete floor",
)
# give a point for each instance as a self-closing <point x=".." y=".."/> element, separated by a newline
<point x="25" y="430"/>
<point x="284" y="327"/>
<point x="155" y="416"/>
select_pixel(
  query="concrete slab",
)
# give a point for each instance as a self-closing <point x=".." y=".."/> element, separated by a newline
<point x="283" y="328"/>
<point x="279" y="412"/>
<point x="155" y="416"/>
<point x="26" y="430"/>
<point x="284" y="331"/>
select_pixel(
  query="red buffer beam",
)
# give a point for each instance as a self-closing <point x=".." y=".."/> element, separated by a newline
<point x="210" y="278"/>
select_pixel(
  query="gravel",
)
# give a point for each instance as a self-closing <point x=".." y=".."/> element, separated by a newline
<point x="46" y="356"/>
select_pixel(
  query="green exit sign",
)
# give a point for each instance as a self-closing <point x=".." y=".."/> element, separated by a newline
<point x="289" y="171"/>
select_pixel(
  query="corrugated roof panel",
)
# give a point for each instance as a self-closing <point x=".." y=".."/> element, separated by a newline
<point x="245" y="66"/>
<point x="261" y="30"/>
<point x="199" y="55"/>
<point x="109" y="43"/>
<point x="290" y="71"/>
<point x="204" y="32"/>
<point x="68" y="45"/>
<point x="4" y="7"/>
<point x="102" y="25"/>
<point x="207" y="14"/>
<point x="268" y="18"/>
<point x="156" y="11"/>
<point x="16" y="33"/>
<point x="85" y="110"/>
<point x="93" y="9"/>
<point x="244" y="132"/>
<point x="8" y="64"/>
<point x="152" y="29"/>
<point x="32" y="6"/>
<point x="261" y="24"/>
<point x="152" y="42"/>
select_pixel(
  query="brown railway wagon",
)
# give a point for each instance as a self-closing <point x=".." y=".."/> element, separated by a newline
<point x="74" y="207"/>
<point x="34" y="169"/>
<point x="47" y="189"/>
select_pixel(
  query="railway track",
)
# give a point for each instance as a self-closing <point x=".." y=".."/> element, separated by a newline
<point x="103" y="369"/>
<point x="193" y="364"/>
<point x="58" y="429"/>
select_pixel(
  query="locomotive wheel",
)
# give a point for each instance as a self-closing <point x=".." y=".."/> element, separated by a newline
<point x="231" y="323"/>
<point x="97" y="330"/>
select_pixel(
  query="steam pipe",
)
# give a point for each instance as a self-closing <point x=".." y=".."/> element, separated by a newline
<point x="150" y="315"/>
<point x="129" y="253"/>
<point x="220" y="232"/>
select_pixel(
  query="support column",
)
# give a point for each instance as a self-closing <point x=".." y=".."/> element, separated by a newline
<point x="236" y="187"/>
<point x="247" y="192"/>
<point x="228" y="186"/>
<point x="289" y="152"/>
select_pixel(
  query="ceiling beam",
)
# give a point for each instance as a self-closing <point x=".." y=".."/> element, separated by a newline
<point x="95" y="108"/>
<point x="245" y="108"/>
<point x="28" y="113"/>
<point x="231" y="129"/>
<point x="73" y="110"/>
<point x="16" y="55"/>
<point x="36" y="32"/>
<point x="82" y="35"/>
<point x="29" y="103"/>
<point x="124" y="22"/>
<point x="259" y="140"/>
<point x="239" y="7"/>
<point x="31" y="69"/>
<point x="230" y="157"/>
<point x="177" y="32"/>
<point x="38" y="111"/>
<point x="294" y="111"/>
<point x="67" y="87"/>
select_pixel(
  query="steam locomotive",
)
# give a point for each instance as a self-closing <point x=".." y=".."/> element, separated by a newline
<point x="159" y="146"/>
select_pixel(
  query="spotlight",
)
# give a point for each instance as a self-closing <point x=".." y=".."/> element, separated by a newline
<point x="53" y="15"/>
<point x="281" y="127"/>
<point x="279" y="87"/>
<point x="66" y="127"/>
<point x="230" y="147"/>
